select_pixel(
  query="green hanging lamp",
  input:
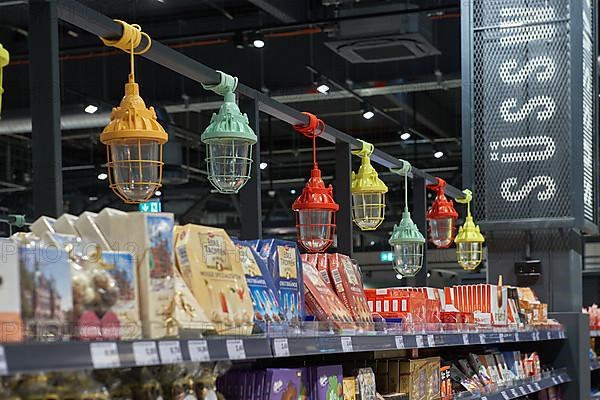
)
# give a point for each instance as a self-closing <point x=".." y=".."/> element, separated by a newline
<point x="229" y="140"/>
<point x="408" y="243"/>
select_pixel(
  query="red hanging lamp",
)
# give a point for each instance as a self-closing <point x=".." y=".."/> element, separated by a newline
<point x="315" y="208"/>
<point x="441" y="217"/>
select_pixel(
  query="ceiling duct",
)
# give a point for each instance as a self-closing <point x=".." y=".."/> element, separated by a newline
<point x="393" y="37"/>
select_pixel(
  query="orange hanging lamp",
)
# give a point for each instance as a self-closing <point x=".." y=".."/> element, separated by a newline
<point x="315" y="208"/>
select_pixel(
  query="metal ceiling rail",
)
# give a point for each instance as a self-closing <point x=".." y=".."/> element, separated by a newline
<point x="98" y="24"/>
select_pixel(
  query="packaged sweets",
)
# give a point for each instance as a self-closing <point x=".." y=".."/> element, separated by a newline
<point x="366" y="384"/>
<point x="323" y="302"/>
<point x="327" y="383"/>
<point x="282" y="384"/>
<point x="285" y="265"/>
<point x="210" y="265"/>
<point x="348" y="288"/>
<point x="149" y="237"/>
<point x="349" y="385"/>
<point x="264" y="293"/>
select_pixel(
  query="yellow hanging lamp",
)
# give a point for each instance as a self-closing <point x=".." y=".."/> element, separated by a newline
<point x="4" y="60"/>
<point x="469" y="241"/>
<point x="134" y="138"/>
<point x="368" y="192"/>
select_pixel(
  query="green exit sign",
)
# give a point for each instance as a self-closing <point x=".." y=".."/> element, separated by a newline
<point x="386" y="256"/>
<point x="151" y="206"/>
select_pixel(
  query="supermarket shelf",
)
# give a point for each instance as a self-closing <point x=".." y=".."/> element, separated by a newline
<point x="524" y="389"/>
<point x="595" y="364"/>
<point x="43" y="356"/>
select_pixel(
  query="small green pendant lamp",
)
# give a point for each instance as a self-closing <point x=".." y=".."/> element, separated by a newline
<point x="408" y="243"/>
<point x="229" y="140"/>
<point x="469" y="241"/>
<point x="368" y="192"/>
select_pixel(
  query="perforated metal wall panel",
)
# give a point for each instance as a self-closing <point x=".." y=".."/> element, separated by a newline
<point x="529" y="136"/>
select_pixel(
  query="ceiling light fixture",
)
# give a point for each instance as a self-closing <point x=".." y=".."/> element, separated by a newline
<point x="405" y="136"/>
<point x="292" y="191"/>
<point x="134" y="138"/>
<point x="102" y="176"/>
<point x="263" y="165"/>
<point x="368" y="113"/>
<point x="258" y="41"/>
<point x="158" y="193"/>
<point x="90" y="108"/>
<point x="323" y="88"/>
<point x="438" y="154"/>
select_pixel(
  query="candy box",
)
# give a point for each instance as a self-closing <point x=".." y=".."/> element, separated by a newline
<point x="323" y="268"/>
<point x="121" y="266"/>
<point x="282" y="384"/>
<point x="348" y="288"/>
<point x="149" y="237"/>
<point x="283" y="260"/>
<point x="322" y="301"/>
<point x="349" y="384"/>
<point x="264" y="293"/>
<point x="210" y="265"/>
<point x="327" y="383"/>
<point x="36" y="293"/>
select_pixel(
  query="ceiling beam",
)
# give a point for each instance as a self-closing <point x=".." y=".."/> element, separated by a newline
<point x="287" y="12"/>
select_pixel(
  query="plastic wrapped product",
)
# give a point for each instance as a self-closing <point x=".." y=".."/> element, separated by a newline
<point x="286" y="268"/>
<point x="42" y="225"/>
<point x="366" y="384"/>
<point x="348" y="287"/>
<point x="65" y="224"/>
<point x="89" y="231"/>
<point x="327" y="383"/>
<point x="282" y="384"/>
<point x="349" y="384"/>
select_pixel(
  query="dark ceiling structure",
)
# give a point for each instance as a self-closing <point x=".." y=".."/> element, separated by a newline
<point x="399" y="58"/>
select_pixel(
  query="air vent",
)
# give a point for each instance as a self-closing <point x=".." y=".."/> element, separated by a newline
<point x="384" y="48"/>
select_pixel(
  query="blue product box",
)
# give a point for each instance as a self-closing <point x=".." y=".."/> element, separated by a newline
<point x="283" y="260"/>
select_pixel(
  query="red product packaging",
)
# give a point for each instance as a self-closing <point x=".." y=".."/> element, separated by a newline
<point x="322" y="263"/>
<point x="322" y="301"/>
<point x="434" y="306"/>
<point x="348" y="288"/>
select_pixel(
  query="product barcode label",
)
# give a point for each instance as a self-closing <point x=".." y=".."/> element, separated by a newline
<point x="170" y="352"/>
<point x="281" y="347"/>
<point x="183" y="256"/>
<point x="145" y="353"/>
<point x="465" y="338"/>
<point x="105" y="355"/>
<point x="335" y="274"/>
<point x="3" y="363"/>
<point x="235" y="349"/>
<point x="514" y="392"/>
<point x="522" y="390"/>
<point x="420" y="342"/>
<point x="530" y="388"/>
<point x="347" y="344"/>
<point x="198" y="350"/>
<point x="482" y="338"/>
<point x="505" y="396"/>
<point x="431" y="340"/>
<point x="399" y="342"/>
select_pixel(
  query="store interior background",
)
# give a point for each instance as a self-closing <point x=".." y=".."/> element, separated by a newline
<point x="418" y="95"/>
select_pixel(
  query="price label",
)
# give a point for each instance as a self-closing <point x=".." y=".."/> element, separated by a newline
<point x="145" y="353"/>
<point x="399" y="342"/>
<point x="554" y="380"/>
<point x="281" y="347"/>
<point x="235" y="349"/>
<point x="505" y="396"/>
<point x="522" y="390"/>
<point x="530" y="388"/>
<point x="536" y="336"/>
<point x="347" y="344"/>
<point x="548" y="335"/>
<point x="198" y="350"/>
<point x="105" y="355"/>
<point x="560" y="379"/>
<point x="482" y="338"/>
<point x="431" y="340"/>
<point x="483" y="398"/>
<point x="561" y="334"/>
<point x="537" y="386"/>
<point x="514" y="392"/>
<point x="501" y="337"/>
<point x="170" y="352"/>
<point x="3" y="363"/>
<point x="465" y="338"/>
<point x="517" y="339"/>
<point x="420" y="342"/>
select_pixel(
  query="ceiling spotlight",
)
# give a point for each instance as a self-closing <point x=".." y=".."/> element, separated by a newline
<point x="429" y="274"/>
<point x="293" y="191"/>
<point x="259" y="41"/>
<point x="102" y="176"/>
<point x="372" y="243"/>
<point x="399" y="276"/>
<point x="271" y="193"/>
<point x="323" y="88"/>
<point x="158" y="193"/>
<point x="90" y="108"/>
<point x="263" y="165"/>
<point x="405" y="136"/>
<point x="438" y="154"/>
<point x="368" y="113"/>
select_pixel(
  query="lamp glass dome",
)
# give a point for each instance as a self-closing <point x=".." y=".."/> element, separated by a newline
<point x="229" y="140"/>
<point x="315" y="229"/>
<point x="441" y="231"/>
<point x="469" y="254"/>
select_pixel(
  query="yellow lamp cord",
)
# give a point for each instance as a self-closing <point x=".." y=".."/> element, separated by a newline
<point x="128" y="42"/>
